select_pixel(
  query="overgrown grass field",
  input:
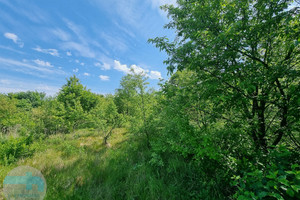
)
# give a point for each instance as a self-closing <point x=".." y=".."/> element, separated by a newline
<point x="80" y="166"/>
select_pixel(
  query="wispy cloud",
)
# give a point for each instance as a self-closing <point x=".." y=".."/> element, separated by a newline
<point x="77" y="40"/>
<point x="34" y="14"/>
<point x="62" y="35"/>
<point x="105" y="66"/>
<point x="86" y="74"/>
<point x="81" y="44"/>
<point x="75" y="70"/>
<point x="114" y="42"/>
<point x="104" y="78"/>
<point x="14" y="38"/>
<point x="53" y="52"/>
<point x="158" y="3"/>
<point x="11" y="49"/>
<point x="77" y="30"/>
<point x="23" y="67"/>
<point x="42" y="63"/>
<point x="137" y="69"/>
<point x="11" y="85"/>
<point x="125" y="9"/>
<point x="125" y="30"/>
<point x="83" y="49"/>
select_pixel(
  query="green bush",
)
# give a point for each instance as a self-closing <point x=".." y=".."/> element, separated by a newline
<point x="275" y="178"/>
<point x="13" y="148"/>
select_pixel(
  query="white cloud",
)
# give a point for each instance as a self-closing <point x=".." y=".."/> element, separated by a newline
<point x="53" y="52"/>
<point x="105" y="66"/>
<point x="122" y="68"/>
<point x="86" y="74"/>
<point x="42" y="63"/>
<point x="139" y="70"/>
<point x="104" y="78"/>
<point x="155" y="75"/>
<point x="75" y="70"/>
<point x="77" y="61"/>
<point x="69" y="53"/>
<point x="14" y="38"/>
<point x="82" y="64"/>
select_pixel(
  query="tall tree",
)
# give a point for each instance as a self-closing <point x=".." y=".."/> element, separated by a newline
<point x="78" y="101"/>
<point x="133" y="98"/>
<point x="246" y="53"/>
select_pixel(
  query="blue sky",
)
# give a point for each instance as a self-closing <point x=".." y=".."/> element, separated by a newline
<point x="44" y="42"/>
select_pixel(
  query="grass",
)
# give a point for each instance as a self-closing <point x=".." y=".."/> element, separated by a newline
<point x="80" y="166"/>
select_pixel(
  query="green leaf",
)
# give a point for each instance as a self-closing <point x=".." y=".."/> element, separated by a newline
<point x="290" y="192"/>
<point x="262" y="194"/>
<point x="242" y="197"/>
<point x="290" y="172"/>
<point x="296" y="187"/>
<point x="276" y="195"/>
<point x="294" y="166"/>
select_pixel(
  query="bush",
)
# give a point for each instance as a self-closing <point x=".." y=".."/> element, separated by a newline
<point x="274" y="178"/>
<point x="13" y="148"/>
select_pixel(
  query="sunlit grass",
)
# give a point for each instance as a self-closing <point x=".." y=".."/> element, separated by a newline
<point x="80" y="166"/>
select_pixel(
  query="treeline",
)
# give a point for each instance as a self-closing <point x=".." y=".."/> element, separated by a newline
<point x="32" y="114"/>
<point x="76" y="107"/>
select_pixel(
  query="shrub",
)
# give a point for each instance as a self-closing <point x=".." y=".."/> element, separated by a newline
<point x="276" y="178"/>
<point x="13" y="148"/>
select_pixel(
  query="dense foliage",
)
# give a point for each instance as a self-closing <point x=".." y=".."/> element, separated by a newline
<point x="225" y="125"/>
<point x="232" y="106"/>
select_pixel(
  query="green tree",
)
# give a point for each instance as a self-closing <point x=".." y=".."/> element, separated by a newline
<point x="34" y="99"/>
<point x="133" y="99"/>
<point x="105" y="117"/>
<point x="50" y="117"/>
<point x="8" y="112"/>
<point x="78" y="101"/>
<point x="246" y="55"/>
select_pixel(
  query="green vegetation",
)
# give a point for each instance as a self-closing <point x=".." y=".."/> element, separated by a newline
<point x="224" y="126"/>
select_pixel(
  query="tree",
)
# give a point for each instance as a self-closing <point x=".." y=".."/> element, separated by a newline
<point x="246" y="55"/>
<point x="77" y="100"/>
<point x="132" y="99"/>
<point x="112" y="117"/>
<point x="50" y="117"/>
<point x="34" y="99"/>
<point x="106" y="117"/>
<point x="8" y="111"/>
